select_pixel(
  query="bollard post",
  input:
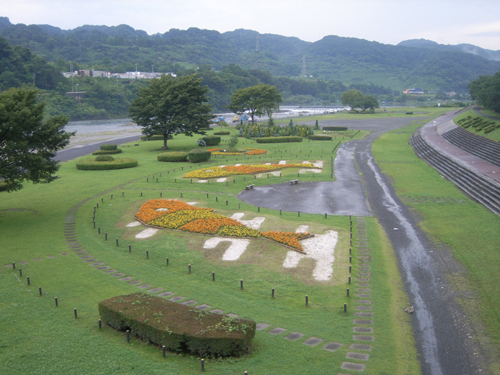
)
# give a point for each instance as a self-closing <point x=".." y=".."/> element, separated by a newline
<point x="241" y="284"/>
<point x="272" y="293"/>
<point x="57" y="303"/>
<point x="350" y="259"/>
<point x="129" y="248"/>
<point x="167" y="261"/>
<point x="147" y="254"/>
<point x="100" y="324"/>
<point x="307" y="301"/>
<point x="13" y="265"/>
<point x="128" y="335"/>
<point x="202" y="365"/>
<point x="40" y="290"/>
<point x="164" y="350"/>
<point x="117" y="242"/>
<point x="345" y="308"/>
<point x="161" y="194"/>
<point x="213" y="276"/>
<point x="20" y="272"/>
<point x="99" y="230"/>
<point x="349" y="279"/>
<point x="347" y="292"/>
<point x="76" y="313"/>
<point x="189" y="266"/>
<point x="28" y="280"/>
<point x="106" y="236"/>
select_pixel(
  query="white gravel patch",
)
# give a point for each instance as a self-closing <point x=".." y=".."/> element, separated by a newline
<point x="223" y="179"/>
<point x="133" y="224"/>
<point x="318" y="164"/>
<point x="302" y="229"/>
<point x="313" y="170"/>
<point x="282" y="162"/>
<point x="275" y="173"/>
<point x="147" y="233"/>
<point x="267" y="164"/>
<point x="255" y="223"/>
<point x="259" y="175"/>
<point x="192" y="203"/>
<point x="221" y="166"/>
<point x="162" y="209"/>
<point x="235" y="250"/>
<point x="237" y="165"/>
<point x="320" y="248"/>
<point x="202" y="181"/>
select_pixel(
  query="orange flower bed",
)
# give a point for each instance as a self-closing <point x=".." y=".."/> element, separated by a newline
<point x="175" y="214"/>
<point x="255" y="151"/>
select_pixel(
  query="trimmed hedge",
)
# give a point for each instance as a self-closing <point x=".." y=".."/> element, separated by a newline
<point x="199" y="155"/>
<point x="107" y="152"/>
<point x="335" y="128"/>
<point x="211" y="140"/>
<point x="156" y="137"/>
<point x="180" y="328"/>
<point x="173" y="156"/>
<point x="92" y="165"/>
<point x="109" y="147"/>
<point x="104" y="158"/>
<point x="279" y="139"/>
<point x="222" y="133"/>
<point x="409" y="113"/>
<point x="320" y="137"/>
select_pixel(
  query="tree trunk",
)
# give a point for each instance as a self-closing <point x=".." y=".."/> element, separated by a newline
<point x="165" y="137"/>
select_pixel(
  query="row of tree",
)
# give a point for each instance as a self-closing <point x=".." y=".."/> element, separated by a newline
<point x="486" y="91"/>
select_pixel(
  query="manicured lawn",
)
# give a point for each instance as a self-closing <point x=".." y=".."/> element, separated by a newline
<point x="38" y="337"/>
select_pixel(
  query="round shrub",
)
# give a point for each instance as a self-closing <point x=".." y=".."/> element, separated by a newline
<point x="320" y="137"/>
<point x="222" y="133"/>
<point x="212" y="140"/>
<point x="173" y="156"/>
<point x="92" y="165"/>
<point x="107" y="152"/>
<point x="409" y="113"/>
<point x="199" y="155"/>
<point x="109" y="147"/>
<point x="104" y="158"/>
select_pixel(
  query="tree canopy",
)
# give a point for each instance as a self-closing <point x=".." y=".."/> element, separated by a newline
<point x="356" y="99"/>
<point x="172" y="105"/>
<point x="258" y="100"/>
<point x="486" y="91"/>
<point x="27" y="142"/>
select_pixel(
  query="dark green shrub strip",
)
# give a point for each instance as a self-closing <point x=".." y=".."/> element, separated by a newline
<point x="212" y="140"/>
<point x="92" y="165"/>
<point x="178" y="327"/>
<point x="107" y="152"/>
<point x="109" y="147"/>
<point x="199" y="155"/>
<point x="279" y="139"/>
<point x="409" y="113"/>
<point x="320" y="137"/>
<point x="173" y="156"/>
<point x="335" y="128"/>
<point x="104" y="158"/>
<point x="157" y="137"/>
<point x="222" y="133"/>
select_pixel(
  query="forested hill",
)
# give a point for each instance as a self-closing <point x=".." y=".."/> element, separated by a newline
<point x="349" y="60"/>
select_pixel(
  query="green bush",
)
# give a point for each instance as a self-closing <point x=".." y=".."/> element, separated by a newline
<point x="107" y="152"/>
<point x="279" y="139"/>
<point x="109" y="147"/>
<point x="156" y="137"/>
<point x="199" y="155"/>
<point x="320" y="137"/>
<point x="222" y="133"/>
<point x="335" y="128"/>
<point x="409" y="113"/>
<point x="211" y="140"/>
<point x="92" y="165"/>
<point x="104" y="158"/>
<point x="173" y="156"/>
<point x="178" y="327"/>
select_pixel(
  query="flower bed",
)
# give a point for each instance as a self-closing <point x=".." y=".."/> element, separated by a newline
<point x="174" y="214"/>
<point x="255" y="151"/>
<point x="241" y="169"/>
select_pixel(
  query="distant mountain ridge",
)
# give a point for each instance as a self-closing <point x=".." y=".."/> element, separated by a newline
<point x="415" y="63"/>
<point x="467" y="48"/>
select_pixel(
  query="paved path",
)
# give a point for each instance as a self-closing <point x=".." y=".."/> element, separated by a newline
<point x="78" y="151"/>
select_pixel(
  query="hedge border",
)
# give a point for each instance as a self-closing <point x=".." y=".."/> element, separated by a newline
<point x="279" y="139"/>
<point x="92" y="165"/>
<point x="173" y="156"/>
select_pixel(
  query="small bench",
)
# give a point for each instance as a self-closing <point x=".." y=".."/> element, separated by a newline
<point x="292" y="182"/>
<point x="249" y="187"/>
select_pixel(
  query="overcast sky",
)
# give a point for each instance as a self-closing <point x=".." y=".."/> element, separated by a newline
<point x="386" y="21"/>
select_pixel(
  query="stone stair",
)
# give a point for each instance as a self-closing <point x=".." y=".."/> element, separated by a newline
<point x="477" y="186"/>
<point x="481" y="147"/>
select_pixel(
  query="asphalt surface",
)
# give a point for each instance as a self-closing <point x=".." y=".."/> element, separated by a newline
<point x="78" y="151"/>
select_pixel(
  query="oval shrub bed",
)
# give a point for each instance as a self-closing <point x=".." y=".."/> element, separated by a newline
<point x="211" y="140"/>
<point x="107" y="152"/>
<point x="178" y="327"/>
<point x="93" y="165"/>
<point x="199" y="155"/>
<point x="173" y="156"/>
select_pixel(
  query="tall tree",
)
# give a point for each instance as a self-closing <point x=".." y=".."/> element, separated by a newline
<point x="172" y="105"/>
<point x="258" y="100"/>
<point x="486" y="91"/>
<point x="27" y="142"/>
<point x="351" y="97"/>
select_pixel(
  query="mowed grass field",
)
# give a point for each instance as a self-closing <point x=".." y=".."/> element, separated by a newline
<point x="38" y="337"/>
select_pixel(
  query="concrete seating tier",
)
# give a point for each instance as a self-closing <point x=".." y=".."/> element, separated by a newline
<point x="476" y="186"/>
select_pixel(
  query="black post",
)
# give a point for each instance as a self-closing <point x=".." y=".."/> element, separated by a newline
<point x="347" y="292"/>
<point x="213" y="276"/>
<point x="106" y="236"/>
<point x="350" y="269"/>
<point x="99" y="230"/>
<point x="202" y="365"/>
<point x="272" y="293"/>
<point x="128" y="335"/>
<point x="57" y="303"/>
<point x="307" y="300"/>
<point x="189" y="266"/>
<point x="40" y="290"/>
<point x="147" y="254"/>
<point x="20" y="272"/>
<point x="345" y="308"/>
<point x="117" y="242"/>
<point x="28" y="279"/>
<point x="164" y="350"/>
<point x="241" y="284"/>
<point x="100" y="324"/>
<point x="129" y="248"/>
<point x="13" y="265"/>
<point x="349" y="279"/>
<point x="167" y="261"/>
<point x="76" y="313"/>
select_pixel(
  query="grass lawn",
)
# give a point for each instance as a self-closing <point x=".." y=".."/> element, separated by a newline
<point x="467" y="228"/>
<point x="41" y="338"/>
